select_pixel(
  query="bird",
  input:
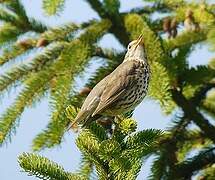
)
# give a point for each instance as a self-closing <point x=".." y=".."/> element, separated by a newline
<point x="121" y="91"/>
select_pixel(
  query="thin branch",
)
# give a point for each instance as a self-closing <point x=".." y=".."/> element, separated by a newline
<point x="117" y="28"/>
<point x="149" y="9"/>
<point x="168" y="145"/>
<point x="201" y="93"/>
<point x="192" y="113"/>
<point x="186" y="169"/>
<point x="107" y="53"/>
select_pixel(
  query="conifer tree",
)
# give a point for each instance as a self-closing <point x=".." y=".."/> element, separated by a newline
<point x="188" y="92"/>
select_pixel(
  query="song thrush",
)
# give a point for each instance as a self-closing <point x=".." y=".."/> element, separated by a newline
<point x="122" y="90"/>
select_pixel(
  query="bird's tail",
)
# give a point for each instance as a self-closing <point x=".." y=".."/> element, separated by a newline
<point x="80" y="118"/>
<point x="71" y="113"/>
<point x="73" y="126"/>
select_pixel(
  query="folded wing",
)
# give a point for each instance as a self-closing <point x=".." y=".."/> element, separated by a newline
<point x="119" y="81"/>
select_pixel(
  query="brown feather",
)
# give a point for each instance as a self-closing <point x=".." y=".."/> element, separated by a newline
<point x="122" y="78"/>
<point x="90" y="103"/>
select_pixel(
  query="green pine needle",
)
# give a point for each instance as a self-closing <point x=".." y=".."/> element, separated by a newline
<point x="43" y="168"/>
<point x="53" y="7"/>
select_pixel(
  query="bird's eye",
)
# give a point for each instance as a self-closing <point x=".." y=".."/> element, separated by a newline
<point x="129" y="47"/>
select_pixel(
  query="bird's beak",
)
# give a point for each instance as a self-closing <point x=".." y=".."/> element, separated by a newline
<point x="140" y="40"/>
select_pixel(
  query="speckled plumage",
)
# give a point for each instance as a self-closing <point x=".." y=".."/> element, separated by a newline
<point x="120" y="91"/>
<point x="134" y="87"/>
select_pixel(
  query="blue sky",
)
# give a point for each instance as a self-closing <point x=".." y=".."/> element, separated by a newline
<point x="34" y="119"/>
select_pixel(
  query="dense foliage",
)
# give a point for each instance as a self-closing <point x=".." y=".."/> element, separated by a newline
<point x="183" y="91"/>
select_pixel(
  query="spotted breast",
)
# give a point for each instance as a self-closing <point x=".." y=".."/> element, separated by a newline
<point x="135" y="91"/>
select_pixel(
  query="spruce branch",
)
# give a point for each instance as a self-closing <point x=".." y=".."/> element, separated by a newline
<point x="64" y="32"/>
<point x="16" y="49"/>
<point x="171" y="146"/>
<point x="89" y="144"/>
<point x="201" y="93"/>
<point x="20" y="19"/>
<point x="43" y="168"/>
<point x="186" y="169"/>
<point x="143" y="138"/>
<point x="109" y="54"/>
<point x="211" y="38"/>
<point x="116" y="19"/>
<point x="98" y="131"/>
<point x="192" y="113"/>
<point x="179" y="137"/>
<point x="185" y="39"/>
<point x="208" y="103"/>
<point x="178" y="63"/>
<point x="35" y="26"/>
<point x="167" y="148"/>
<point x="7" y="16"/>
<point x="54" y="132"/>
<point x="170" y="151"/>
<point x="113" y="60"/>
<point x="178" y="127"/>
<point x="39" y="62"/>
<point x="34" y="90"/>
<point x="53" y="7"/>
<point x="134" y="171"/>
<point x="198" y="75"/>
<point x="16" y="7"/>
<point x="141" y="144"/>
<point x="208" y="173"/>
<point x="159" y="167"/>
<point x="86" y="168"/>
<point x="60" y="90"/>
<point x="35" y="86"/>
<point x="149" y="9"/>
<point x="191" y="140"/>
<point x="94" y="32"/>
<point x="9" y="32"/>
<point x="98" y="7"/>
<point x="112" y="7"/>
<point x="209" y="107"/>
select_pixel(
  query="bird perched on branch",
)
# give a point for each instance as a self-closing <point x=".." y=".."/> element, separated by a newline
<point x="122" y="90"/>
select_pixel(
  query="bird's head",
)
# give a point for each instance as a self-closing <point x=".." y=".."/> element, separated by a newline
<point x="136" y="50"/>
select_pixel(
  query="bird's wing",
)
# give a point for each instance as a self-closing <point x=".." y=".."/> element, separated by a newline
<point x="90" y="104"/>
<point x="121" y="79"/>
